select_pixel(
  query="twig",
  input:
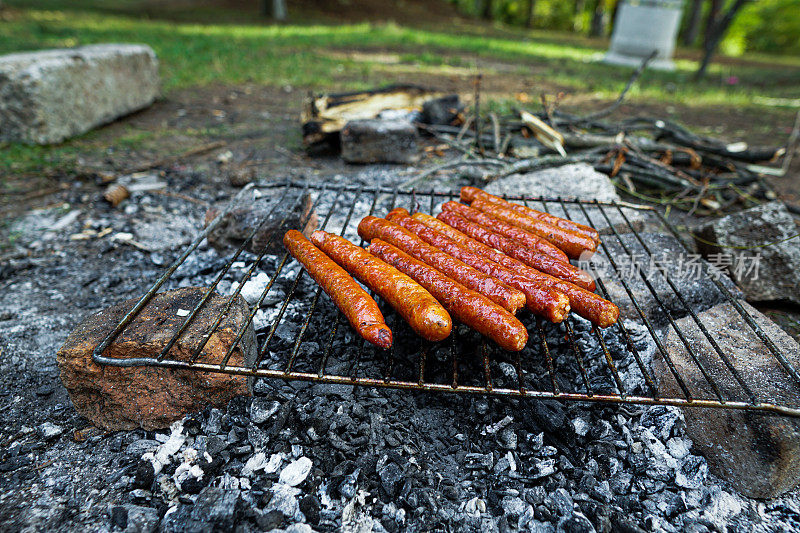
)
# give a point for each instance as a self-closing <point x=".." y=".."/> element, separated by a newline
<point x="465" y="128"/>
<point x="791" y="145"/>
<point x="613" y="107"/>
<point x="495" y="132"/>
<point x="478" y="79"/>
<point x="181" y="196"/>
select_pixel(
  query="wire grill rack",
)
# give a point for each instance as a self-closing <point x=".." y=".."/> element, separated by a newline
<point x="568" y="362"/>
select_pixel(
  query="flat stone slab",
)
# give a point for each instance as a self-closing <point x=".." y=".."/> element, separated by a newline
<point x="758" y="454"/>
<point x="688" y="272"/>
<point x="764" y="273"/>
<point x="379" y="141"/>
<point x="124" y="398"/>
<point x="50" y="95"/>
<point x="574" y="182"/>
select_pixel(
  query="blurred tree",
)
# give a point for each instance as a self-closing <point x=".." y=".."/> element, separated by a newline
<point x="275" y="9"/>
<point x="487" y="11"/>
<point x="599" y="19"/>
<point x="715" y="34"/>
<point x="711" y="19"/>
<point x="530" y="10"/>
<point x="693" y="19"/>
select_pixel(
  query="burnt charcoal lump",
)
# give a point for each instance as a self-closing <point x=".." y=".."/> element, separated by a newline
<point x="272" y="211"/>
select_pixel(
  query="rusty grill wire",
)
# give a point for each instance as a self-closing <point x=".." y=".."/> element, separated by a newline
<point x="557" y="363"/>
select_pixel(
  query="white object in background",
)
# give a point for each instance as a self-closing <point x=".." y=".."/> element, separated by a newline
<point x="641" y="27"/>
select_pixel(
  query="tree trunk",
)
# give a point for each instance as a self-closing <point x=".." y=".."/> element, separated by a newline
<point x="531" y="8"/>
<point x="274" y="9"/>
<point x="693" y="24"/>
<point x="711" y="19"/>
<point x="598" y="28"/>
<point x="716" y="34"/>
<point x="486" y="14"/>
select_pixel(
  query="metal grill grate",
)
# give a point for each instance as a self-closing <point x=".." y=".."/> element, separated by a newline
<point x="570" y="361"/>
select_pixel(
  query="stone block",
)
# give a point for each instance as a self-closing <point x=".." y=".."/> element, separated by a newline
<point x="758" y="454"/>
<point x="688" y="272"/>
<point x="736" y="244"/>
<point x="379" y="141"/>
<point x="51" y="95"/>
<point x="123" y="398"/>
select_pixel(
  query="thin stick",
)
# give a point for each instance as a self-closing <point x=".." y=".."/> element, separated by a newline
<point x="478" y="79"/>
<point x="791" y="145"/>
<point x="495" y="132"/>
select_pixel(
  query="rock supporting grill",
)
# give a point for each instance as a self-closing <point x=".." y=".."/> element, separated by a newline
<point x="307" y="338"/>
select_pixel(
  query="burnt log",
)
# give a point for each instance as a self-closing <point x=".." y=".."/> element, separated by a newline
<point x="324" y="116"/>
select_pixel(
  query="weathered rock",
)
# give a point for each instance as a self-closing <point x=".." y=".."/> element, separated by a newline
<point x="764" y="273"/>
<point x="689" y="273"/>
<point x="379" y="141"/>
<point x="272" y="213"/>
<point x="579" y="181"/>
<point x="758" y="454"/>
<point x="117" y="398"/>
<point x="51" y="95"/>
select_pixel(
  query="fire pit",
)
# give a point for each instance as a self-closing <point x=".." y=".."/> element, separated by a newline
<point x="305" y="338"/>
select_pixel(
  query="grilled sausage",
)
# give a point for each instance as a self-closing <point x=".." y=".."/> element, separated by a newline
<point x="543" y="263"/>
<point x="541" y="301"/>
<point x="416" y="305"/>
<point x="468" y="306"/>
<point x="468" y="194"/>
<point x="497" y="291"/>
<point x="359" y="307"/>
<point x="590" y="306"/>
<point x="523" y="237"/>
<point x="573" y="244"/>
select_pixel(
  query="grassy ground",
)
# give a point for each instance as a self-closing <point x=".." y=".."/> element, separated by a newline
<point x="204" y="44"/>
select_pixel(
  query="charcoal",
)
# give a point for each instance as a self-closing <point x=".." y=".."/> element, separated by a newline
<point x="262" y="409"/>
<point x="560" y="502"/>
<point x="442" y="111"/>
<point x="391" y="475"/>
<point x="268" y="214"/>
<point x="575" y="523"/>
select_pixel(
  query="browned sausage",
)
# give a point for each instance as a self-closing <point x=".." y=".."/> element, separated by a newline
<point x="541" y="301"/>
<point x="360" y="309"/>
<point x="416" y="305"/>
<point x="590" y="306"/>
<point x="468" y="306"/>
<point x="497" y="291"/>
<point x="541" y="262"/>
<point x="468" y="194"/>
<point x="519" y="235"/>
<point x="573" y="244"/>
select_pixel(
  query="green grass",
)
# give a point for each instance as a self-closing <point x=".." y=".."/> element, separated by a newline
<point x="230" y="51"/>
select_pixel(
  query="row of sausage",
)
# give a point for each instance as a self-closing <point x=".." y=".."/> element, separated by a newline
<point x="479" y="263"/>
